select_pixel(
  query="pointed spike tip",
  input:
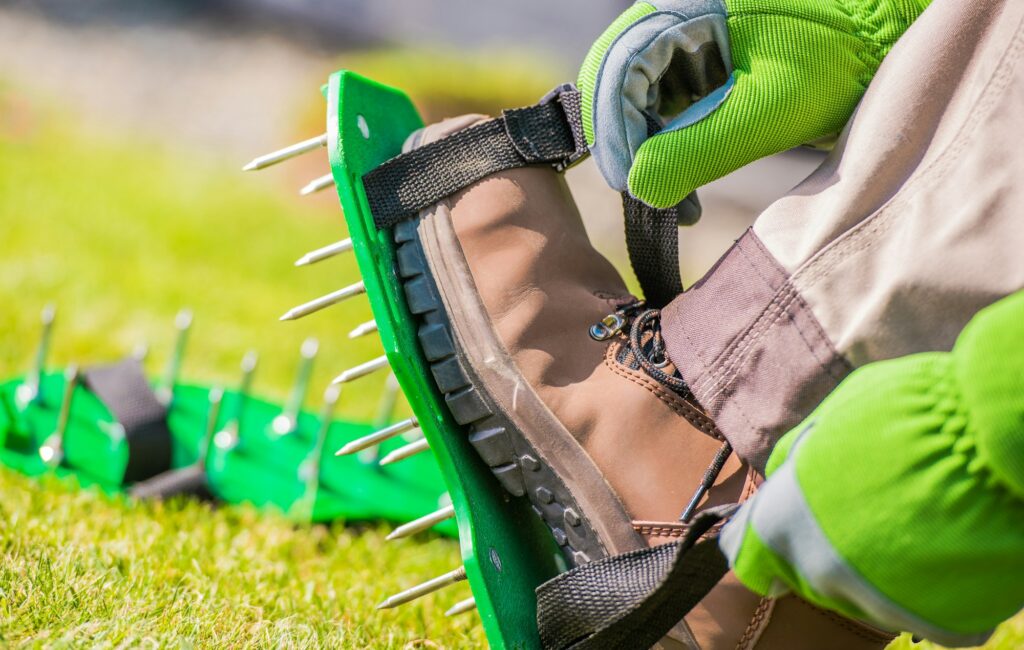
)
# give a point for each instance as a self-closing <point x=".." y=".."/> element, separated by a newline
<point x="406" y="451"/>
<point x="368" y="327"/>
<point x="310" y="347"/>
<point x="361" y="370"/>
<point x="461" y="607"/>
<point x="183" y="319"/>
<point x="299" y="148"/>
<point x="317" y="184"/>
<point x="325" y="252"/>
<point x="378" y="437"/>
<point x="322" y="302"/>
<point x="425" y="588"/>
<point x="250" y="360"/>
<point x="422" y="524"/>
<point x="332" y="394"/>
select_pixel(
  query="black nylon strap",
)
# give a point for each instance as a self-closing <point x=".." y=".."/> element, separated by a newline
<point x="545" y="133"/>
<point x="631" y="600"/>
<point x="123" y="388"/>
<point x="652" y="240"/>
<point x="551" y="133"/>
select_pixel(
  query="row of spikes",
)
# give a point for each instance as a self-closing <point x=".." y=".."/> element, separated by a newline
<point x="374" y="439"/>
<point x="29" y="392"/>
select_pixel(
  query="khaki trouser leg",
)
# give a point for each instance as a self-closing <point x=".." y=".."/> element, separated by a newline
<point x="913" y="224"/>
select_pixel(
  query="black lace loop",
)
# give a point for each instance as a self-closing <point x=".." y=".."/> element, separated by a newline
<point x="651" y="353"/>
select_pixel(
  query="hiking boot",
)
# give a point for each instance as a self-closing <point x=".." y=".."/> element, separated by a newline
<point x="560" y="376"/>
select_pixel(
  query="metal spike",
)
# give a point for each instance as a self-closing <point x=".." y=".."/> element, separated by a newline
<point x="317" y="184"/>
<point x="266" y="160"/>
<point x="423" y="523"/>
<point x="310" y="470"/>
<point x="182" y="323"/>
<point x="425" y="588"/>
<point x="369" y="327"/>
<point x="337" y="248"/>
<point x="140" y="352"/>
<point x="216" y="397"/>
<point x="287" y="421"/>
<point x="228" y="437"/>
<point x="461" y="607"/>
<point x="30" y="390"/>
<point x="378" y="437"/>
<point x="406" y="451"/>
<point x="324" y="301"/>
<point x="361" y="370"/>
<point x="52" y="449"/>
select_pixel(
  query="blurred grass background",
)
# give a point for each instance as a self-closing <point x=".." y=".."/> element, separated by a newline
<point x="121" y="225"/>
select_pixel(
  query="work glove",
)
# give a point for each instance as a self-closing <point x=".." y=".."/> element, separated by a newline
<point x="900" y="500"/>
<point x="720" y="83"/>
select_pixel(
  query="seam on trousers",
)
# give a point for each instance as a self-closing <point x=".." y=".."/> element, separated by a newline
<point x="778" y="308"/>
<point x="866" y="234"/>
<point x="706" y="370"/>
<point x="710" y="367"/>
<point x="728" y="357"/>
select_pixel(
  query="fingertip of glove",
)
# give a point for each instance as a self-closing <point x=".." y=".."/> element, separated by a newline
<point x="655" y="179"/>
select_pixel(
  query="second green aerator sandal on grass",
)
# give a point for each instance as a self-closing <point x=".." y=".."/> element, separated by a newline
<point x="108" y="428"/>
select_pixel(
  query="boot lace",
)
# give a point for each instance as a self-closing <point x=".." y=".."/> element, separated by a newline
<point x="646" y="349"/>
<point x="647" y="346"/>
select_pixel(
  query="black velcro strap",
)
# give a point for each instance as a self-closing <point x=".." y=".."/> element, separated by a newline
<point x="545" y="133"/>
<point x="634" y="599"/>
<point x="124" y="390"/>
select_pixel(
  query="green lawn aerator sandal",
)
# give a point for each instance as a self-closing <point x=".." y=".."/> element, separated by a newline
<point x="104" y="423"/>
<point x="532" y="372"/>
<point x="108" y="427"/>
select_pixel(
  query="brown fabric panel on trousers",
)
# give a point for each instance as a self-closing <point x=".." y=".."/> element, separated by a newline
<point x="750" y="349"/>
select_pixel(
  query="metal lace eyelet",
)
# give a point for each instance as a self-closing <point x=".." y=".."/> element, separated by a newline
<point x="660" y="364"/>
<point x="609" y="326"/>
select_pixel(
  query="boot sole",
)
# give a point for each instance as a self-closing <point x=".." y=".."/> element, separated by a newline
<point x="473" y="371"/>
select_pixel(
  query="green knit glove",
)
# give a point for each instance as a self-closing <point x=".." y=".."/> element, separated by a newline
<point x="900" y="500"/>
<point x="725" y="82"/>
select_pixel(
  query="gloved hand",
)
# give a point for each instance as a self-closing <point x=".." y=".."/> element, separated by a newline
<point x="725" y="82"/>
<point x="900" y="500"/>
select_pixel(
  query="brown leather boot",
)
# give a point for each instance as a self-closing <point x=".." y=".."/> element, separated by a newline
<point x="590" y="423"/>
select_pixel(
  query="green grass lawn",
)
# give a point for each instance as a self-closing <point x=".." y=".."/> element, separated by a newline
<point x="120" y="233"/>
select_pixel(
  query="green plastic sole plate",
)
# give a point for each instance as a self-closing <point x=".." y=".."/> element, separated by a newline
<point x="505" y="548"/>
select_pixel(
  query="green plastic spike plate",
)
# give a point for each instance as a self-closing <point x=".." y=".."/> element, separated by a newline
<point x="505" y="548"/>
<point x="264" y="469"/>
